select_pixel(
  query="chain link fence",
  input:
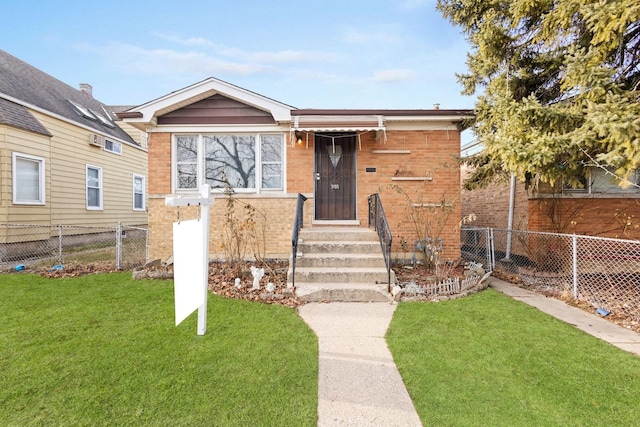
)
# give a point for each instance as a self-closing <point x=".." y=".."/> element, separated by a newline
<point x="41" y="246"/>
<point x="601" y="272"/>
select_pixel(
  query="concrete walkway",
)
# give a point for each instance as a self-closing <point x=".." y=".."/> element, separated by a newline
<point x="358" y="384"/>
<point x="587" y="322"/>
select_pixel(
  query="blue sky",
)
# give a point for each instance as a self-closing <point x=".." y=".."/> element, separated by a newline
<point x="308" y="54"/>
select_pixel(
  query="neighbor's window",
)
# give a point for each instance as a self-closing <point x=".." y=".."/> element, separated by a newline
<point x="94" y="187"/>
<point x="247" y="162"/>
<point x="138" y="192"/>
<point x="601" y="181"/>
<point x="112" y="146"/>
<point x="28" y="179"/>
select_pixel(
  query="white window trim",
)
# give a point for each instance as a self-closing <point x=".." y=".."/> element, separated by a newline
<point x="200" y="162"/>
<point x="100" y="186"/>
<point x="41" y="170"/>
<point x="144" y="192"/>
<point x="115" y="143"/>
<point x="260" y="164"/>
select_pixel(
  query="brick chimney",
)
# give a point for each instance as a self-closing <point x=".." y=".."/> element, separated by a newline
<point x="87" y="89"/>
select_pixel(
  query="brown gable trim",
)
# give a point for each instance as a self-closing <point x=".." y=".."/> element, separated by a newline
<point x="129" y="115"/>
<point x="215" y="120"/>
<point x="217" y="109"/>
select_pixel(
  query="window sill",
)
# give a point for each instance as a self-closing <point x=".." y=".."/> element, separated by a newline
<point x="29" y="203"/>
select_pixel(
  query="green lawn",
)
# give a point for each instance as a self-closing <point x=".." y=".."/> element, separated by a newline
<point x="488" y="360"/>
<point x="103" y="350"/>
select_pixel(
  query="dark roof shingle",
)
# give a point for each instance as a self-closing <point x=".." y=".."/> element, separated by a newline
<point x="18" y="116"/>
<point x="26" y="84"/>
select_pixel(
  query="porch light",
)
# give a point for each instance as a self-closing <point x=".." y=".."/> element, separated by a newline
<point x="299" y="137"/>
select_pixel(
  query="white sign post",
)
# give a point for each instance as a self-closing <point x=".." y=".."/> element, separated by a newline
<point x="191" y="259"/>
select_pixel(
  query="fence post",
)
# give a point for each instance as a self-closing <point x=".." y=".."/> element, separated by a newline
<point x="146" y="244"/>
<point x="59" y="244"/>
<point x="119" y="246"/>
<point x="492" y="260"/>
<point x="574" y="242"/>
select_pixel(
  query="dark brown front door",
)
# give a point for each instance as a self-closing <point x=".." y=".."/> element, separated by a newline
<point x="335" y="177"/>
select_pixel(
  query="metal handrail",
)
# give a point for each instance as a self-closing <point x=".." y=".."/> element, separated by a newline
<point x="298" y="221"/>
<point x="378" y="220"/>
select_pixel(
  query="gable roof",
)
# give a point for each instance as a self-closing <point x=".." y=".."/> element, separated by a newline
<point x="215" y="102"/>
<point x="26" y="86"/>
<point x="147" y="114"/>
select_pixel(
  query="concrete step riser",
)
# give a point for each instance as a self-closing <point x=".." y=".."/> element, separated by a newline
<point x="313" y="276"/>
<point x="339" y="237"/>
<point x="340" y="262"/>
<point x="340" y="247"/>
<point x="346" y="295"/>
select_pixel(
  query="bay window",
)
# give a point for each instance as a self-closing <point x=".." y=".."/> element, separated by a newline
<point x="244" y="162"/>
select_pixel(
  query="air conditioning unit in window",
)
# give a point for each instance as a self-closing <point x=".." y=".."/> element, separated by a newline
<point x="97" y="140"/>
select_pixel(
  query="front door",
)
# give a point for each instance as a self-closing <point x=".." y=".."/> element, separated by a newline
<point x="335" y="176"/>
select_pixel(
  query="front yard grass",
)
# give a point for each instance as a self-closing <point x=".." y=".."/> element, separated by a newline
<point x="103" y="350"/>
<point x="487" y="360"/>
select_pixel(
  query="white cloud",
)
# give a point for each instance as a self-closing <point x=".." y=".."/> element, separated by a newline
<point x="277" y="57"/>
<point x="166" y="61"/>
<point x="382" y="35"/>
<point x="393" y="75"/>
<point x="189" y="41"/>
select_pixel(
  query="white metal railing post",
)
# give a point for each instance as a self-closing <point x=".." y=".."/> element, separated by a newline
<point x="574" y="241"/>
<point x="205" y="193"/>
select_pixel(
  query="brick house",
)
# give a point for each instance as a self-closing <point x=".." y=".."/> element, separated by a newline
<point x="601" y="208"/>
<point x="269" y="152"/>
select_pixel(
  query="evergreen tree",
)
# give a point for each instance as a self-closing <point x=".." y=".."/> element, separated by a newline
<point x="558" y="84"/>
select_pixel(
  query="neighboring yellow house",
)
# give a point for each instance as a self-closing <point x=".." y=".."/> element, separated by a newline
<point x="64" y="159"/>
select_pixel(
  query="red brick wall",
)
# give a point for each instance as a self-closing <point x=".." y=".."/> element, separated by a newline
<point x="490" y="205"/>
<point x="300" y="163"/>
<point x="159" y="163"/>
<point x="431" y="153"/>
<point x="591" y="216"/>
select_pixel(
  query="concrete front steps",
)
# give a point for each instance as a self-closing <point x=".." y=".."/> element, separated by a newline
<point x="340" y="263"/>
